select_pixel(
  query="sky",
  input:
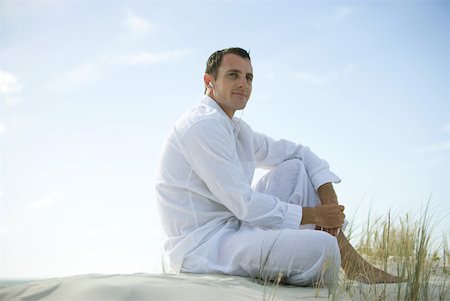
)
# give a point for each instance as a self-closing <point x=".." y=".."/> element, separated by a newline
<point x="89" y="89"/>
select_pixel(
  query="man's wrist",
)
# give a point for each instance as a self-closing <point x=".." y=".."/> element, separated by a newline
<point x="308" y="216"/>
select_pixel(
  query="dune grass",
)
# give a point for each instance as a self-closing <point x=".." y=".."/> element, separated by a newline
<point x="404" y="246"/>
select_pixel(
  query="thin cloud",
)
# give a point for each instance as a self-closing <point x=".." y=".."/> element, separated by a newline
<point x="434" y="148"/>
<point x="12" y="100"/>
<point x="87" y="74"/>
<point x="437" y="148"/>
<point x="45" y="202"/>
<point x="309" y="78"/>
<point x="76" y="78"/>
<point x="110" y="230"/>
<point x="343" y="13"/>
<point x="144" y="58"/>
<point x="136" y="27"/>
<point x="9" y="83"/>
<point x="10" y="89"/>
<point x="339" y="15"/>
<point x="2" y="130"/>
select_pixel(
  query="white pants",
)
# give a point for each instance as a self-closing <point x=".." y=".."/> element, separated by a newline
<point x="304" y="256"/>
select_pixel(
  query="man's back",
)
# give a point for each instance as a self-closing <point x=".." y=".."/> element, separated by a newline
<point x="188" y="209"/>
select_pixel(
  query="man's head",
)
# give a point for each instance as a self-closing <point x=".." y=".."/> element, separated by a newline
<point x="228" y="79"/>
<point x="215" y="59"/>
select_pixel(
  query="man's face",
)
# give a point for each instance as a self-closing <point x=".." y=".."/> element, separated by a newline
<point x="233" y="85"/>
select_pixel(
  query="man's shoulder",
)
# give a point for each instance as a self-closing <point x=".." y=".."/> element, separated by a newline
<point x="200" y="116"/>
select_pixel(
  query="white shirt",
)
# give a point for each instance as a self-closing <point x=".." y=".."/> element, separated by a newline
<point x="204" y="176"/>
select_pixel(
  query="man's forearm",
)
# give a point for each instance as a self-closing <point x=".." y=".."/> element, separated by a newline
<point x="308" y="216"/>
<point x="327" y="195"/>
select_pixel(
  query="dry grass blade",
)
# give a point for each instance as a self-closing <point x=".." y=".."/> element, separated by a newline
<point x="404" y="246"/>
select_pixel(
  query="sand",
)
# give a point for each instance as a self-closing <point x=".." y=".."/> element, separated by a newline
<point x="136" y="287"/>
<point x="190" y="287"/>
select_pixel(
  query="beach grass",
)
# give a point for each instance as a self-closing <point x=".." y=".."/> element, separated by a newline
<point x="406" y="246"/>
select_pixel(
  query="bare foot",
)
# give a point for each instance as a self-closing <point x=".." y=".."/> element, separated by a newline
<point x="357" y="268"/>
<point x="372" y="275"/>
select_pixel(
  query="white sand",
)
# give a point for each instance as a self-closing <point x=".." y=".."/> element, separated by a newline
<point x="189" y="287"/>
<point x="151" y="287"/>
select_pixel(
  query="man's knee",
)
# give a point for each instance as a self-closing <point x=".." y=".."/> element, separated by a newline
<point x="289" y="181"/>
<point x="293" y="167"/>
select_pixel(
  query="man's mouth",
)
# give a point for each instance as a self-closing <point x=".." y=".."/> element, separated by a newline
<point x="242" y="94"/>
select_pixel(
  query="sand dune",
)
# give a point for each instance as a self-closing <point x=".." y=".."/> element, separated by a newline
<point x="138" y="287"/>
<point x="190" y="287"/>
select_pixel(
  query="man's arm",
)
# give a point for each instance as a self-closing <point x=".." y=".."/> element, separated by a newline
<point x="210" y="149"/>
<point x="327" y="195"/>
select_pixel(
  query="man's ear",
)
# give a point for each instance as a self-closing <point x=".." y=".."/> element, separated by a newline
<point x="207" y="79"/>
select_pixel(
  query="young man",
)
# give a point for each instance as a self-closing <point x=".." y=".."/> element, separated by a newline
<point x="214" y="222"/>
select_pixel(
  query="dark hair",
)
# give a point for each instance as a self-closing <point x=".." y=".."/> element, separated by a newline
<point x="215" y="59"/>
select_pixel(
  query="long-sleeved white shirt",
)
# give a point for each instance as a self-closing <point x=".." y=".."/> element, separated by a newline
<point x="204" y="176"/>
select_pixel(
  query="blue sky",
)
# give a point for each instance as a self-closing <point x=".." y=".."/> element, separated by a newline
<point x="88" y="90"/>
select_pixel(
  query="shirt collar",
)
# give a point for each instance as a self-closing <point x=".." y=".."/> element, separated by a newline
<point x="212" y="103"/>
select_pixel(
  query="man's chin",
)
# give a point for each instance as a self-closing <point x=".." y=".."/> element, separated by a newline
<point x="241" y="108"/>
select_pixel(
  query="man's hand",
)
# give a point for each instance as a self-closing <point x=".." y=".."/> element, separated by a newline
<point x="325" y="216"/>
<point x="330" y="216"/>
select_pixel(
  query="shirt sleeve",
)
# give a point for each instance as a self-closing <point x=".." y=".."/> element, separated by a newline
<point x="210" y="149"/>
<point x="269" y="153"/>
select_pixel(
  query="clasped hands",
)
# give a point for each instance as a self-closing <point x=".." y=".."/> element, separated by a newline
<point x="328" y="217"/>
<point x="331" y="218"/>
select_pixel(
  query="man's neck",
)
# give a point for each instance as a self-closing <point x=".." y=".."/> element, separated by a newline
<point x="229" y="113"/>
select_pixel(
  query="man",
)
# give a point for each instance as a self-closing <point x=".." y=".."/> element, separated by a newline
<point x="214" y="222"/>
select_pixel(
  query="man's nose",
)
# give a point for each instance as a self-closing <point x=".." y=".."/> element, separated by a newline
<point x="242" y="83"/>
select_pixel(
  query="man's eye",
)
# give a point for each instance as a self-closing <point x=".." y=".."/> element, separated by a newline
<point x="233" y="75"/>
